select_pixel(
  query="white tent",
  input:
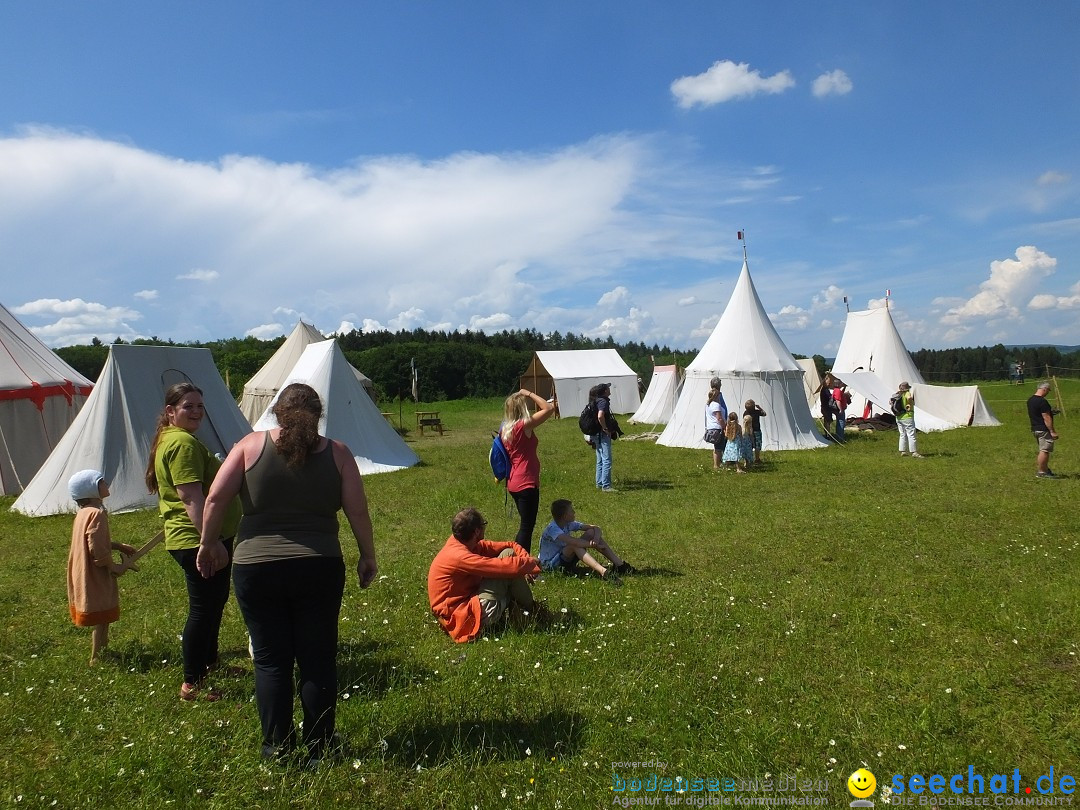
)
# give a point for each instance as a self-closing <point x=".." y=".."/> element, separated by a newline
<point x="349" y="415"/>
<point x="568" y="375"/>
<point x="752" y="362"/>
<point x="40" y="396"/>
<point x="113" y="431"/>
<point x="873" y="361"/>
<point x="264" y="384"/>
<point x="811" y="381"/>
<point x="660" y="399"/>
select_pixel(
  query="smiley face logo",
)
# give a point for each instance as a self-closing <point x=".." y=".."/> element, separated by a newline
<point x="861" y="783"/>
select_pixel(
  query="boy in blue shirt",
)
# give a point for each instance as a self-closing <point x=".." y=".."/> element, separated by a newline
<point x="566" y="540"/>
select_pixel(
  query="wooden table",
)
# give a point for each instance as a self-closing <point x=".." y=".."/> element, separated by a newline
<point x="428" y="419"/>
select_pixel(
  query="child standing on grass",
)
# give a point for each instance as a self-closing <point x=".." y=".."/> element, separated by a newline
<point x="93" y="598"/>
<point x="755" y="412"/>
<point x="733" y="450"/>
<point x="560" y="549"/>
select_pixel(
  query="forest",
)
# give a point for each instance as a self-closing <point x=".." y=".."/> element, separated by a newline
<point x="460" y="365"/>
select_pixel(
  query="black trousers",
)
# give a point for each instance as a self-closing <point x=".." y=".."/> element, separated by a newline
<point x="291" y="609"/>
<point x="527" y="502"/>
<point x="206" y="603"/>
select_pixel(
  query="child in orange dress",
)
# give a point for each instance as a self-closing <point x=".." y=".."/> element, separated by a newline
<point x="93" y="598"/>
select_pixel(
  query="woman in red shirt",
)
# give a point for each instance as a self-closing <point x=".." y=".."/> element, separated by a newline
<point x="519" y="438"/>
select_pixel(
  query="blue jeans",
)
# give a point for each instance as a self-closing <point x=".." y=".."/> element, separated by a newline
<point x="841" y="420"/>
<point x="602" y="443"/>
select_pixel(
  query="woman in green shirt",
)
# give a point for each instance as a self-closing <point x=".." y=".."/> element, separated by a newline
<point x="180" y="471"/>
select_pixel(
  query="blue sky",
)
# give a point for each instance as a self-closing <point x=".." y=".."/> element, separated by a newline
<point x="205" y="170"/>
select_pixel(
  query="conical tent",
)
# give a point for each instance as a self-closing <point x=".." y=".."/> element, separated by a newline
<point x="873" y="360"/>
<point x="568" y="375"/>
<point x="752" y="362"/>
<point x="266" y="382"/>
<point x="349" y="415"/>
<point x="40" y="396"/>
<point x="113" y="431"/>
<point x="660" y="399"/>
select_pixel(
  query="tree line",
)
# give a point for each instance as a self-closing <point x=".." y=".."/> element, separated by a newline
<point x="462" y="365"/>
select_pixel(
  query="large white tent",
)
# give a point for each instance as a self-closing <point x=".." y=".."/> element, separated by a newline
<point x="752" y="362"/>
<point x="873" y="360"/>
<point x="266" y="382"/>
<point x="568" y="375"/>
<point x="40" y="396"/>
<point x="659" y="402"/>
<point x="113" y="431"/>
<point x="349" y="415"/>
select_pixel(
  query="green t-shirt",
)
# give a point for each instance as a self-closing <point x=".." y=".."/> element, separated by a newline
<point x="909" y="406"/>
<point x="183" y="459"/>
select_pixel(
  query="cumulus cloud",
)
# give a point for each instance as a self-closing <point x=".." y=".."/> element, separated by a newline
<point x="689" y="300"/>
<point x="1045" y="301"/>
<point x="613" y="298"/>
<point x="1011" y="281"/>
<point x="726" y="81"/>
<point x="829" y="298"/>
<point x="792" y="318"/>
<point x="632" y="326"/>
<point x="266" y="331"/>
<point x="705" y="327"/>
<point x="344" y="328"/>
<point x="833" y="83"/>
<point x="491" y="323"/>
<point x="147" y="295"/>
<point x="78" y="321"/>
<point x="371" y="325"/>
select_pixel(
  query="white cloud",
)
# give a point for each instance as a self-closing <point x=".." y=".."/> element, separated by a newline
<point x="877" y="303"/>
<point x="147" y="295"/>
<point x="829" y="298"/>
<point x="344" y="328"/>
<point x="705" y="328"/>
<point x="1044" y="301"/>
<point x="613" y="298"/>
<point x="491" y="323"/>
<point x="632" y="326"/>
<point x="199" y="275"/>
<point x="1052" y="178"/>
<point x="725" y="81"/>
<point x="370" y="325"/>
<point x="1010" y="282"/>
<point x="792" y="318"/>
<point x="78" y="321"/>
<point x="834" y="83"/>
<point x="267" y="331"/>
<point x="689" y="300"/>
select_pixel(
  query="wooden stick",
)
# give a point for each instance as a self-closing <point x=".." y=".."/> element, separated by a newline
<point x="129" y="560"/>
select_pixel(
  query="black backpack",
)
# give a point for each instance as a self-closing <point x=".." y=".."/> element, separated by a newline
<point x="896" y="404"/>
<point x="589" y="422"/>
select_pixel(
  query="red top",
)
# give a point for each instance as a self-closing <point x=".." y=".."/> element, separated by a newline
<point x="524" y="461"/>
<point x="455" y="576"/>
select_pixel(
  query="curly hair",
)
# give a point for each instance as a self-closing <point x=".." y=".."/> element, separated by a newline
<point x="298" y="411"/>
<point x="173" y="395"/>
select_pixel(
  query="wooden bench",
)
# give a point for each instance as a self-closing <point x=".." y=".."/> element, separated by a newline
<point x="429" y="419"/>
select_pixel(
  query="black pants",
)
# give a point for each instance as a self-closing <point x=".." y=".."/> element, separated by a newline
<point x="206" y="603"/>
<point x="291" y="609"/>
<point x="527" y="502"/>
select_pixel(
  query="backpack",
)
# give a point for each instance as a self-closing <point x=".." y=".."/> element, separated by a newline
<point x="589" y="422"/>
<point x="896" y="404"/>
<point x="499" y="459"/>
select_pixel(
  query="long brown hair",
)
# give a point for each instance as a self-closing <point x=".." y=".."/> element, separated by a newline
<point x="298" y="411"/>
<point x="173" y="395"/>
<point x="732" y="429"/>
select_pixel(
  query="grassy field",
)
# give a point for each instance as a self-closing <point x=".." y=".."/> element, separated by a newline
<point x="840" y="608"/>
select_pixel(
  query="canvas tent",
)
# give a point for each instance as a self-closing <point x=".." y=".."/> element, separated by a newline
<point x="40" y="396"/>
<point x="113" y="431"/>
<point x="873" y="360"/>
<point x="811" y="382"/>
<point x="752" y="362"/>
<point x="661" y="397"/>
<point x="568" y="375"/>
<point x="262" y="387"/>
<point x="349" y="415"/>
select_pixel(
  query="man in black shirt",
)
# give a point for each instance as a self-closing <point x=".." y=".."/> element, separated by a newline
<point x="1042" y="425"/>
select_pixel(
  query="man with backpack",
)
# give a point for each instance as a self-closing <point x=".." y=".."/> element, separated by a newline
<point x="607" y="429"/>
<point x="902" y="405"/>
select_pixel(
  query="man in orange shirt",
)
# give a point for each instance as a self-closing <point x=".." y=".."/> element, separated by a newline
<point x="472" y="581"/>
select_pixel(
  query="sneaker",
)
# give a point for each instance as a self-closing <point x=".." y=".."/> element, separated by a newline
<point x="903" y="453"/>
<point x="190" y="692"/>
<point x="625" y="568"/>
<point x="612" y="577"/>
<point x="1046" y="474"/>
<point x="917" y="455"/>
<point x="609" y="489"/>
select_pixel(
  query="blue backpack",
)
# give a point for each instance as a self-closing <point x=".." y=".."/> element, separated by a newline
<point x="499" y="459"/>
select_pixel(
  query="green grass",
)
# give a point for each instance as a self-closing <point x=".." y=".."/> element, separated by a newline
<point x="842" y="607"/>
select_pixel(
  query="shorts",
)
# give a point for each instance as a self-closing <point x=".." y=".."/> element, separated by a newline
<point x="757" y="440"/>
<point x="1046" y="442"/>
<point x="561" y="565"/>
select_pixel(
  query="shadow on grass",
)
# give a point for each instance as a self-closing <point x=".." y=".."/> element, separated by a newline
<point x="556" y="734"/>
<point x="636" y="484"/>
<point x="368" y="667"/>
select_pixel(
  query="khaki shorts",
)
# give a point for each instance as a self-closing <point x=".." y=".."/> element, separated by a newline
<point x="1046" y="443"/>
